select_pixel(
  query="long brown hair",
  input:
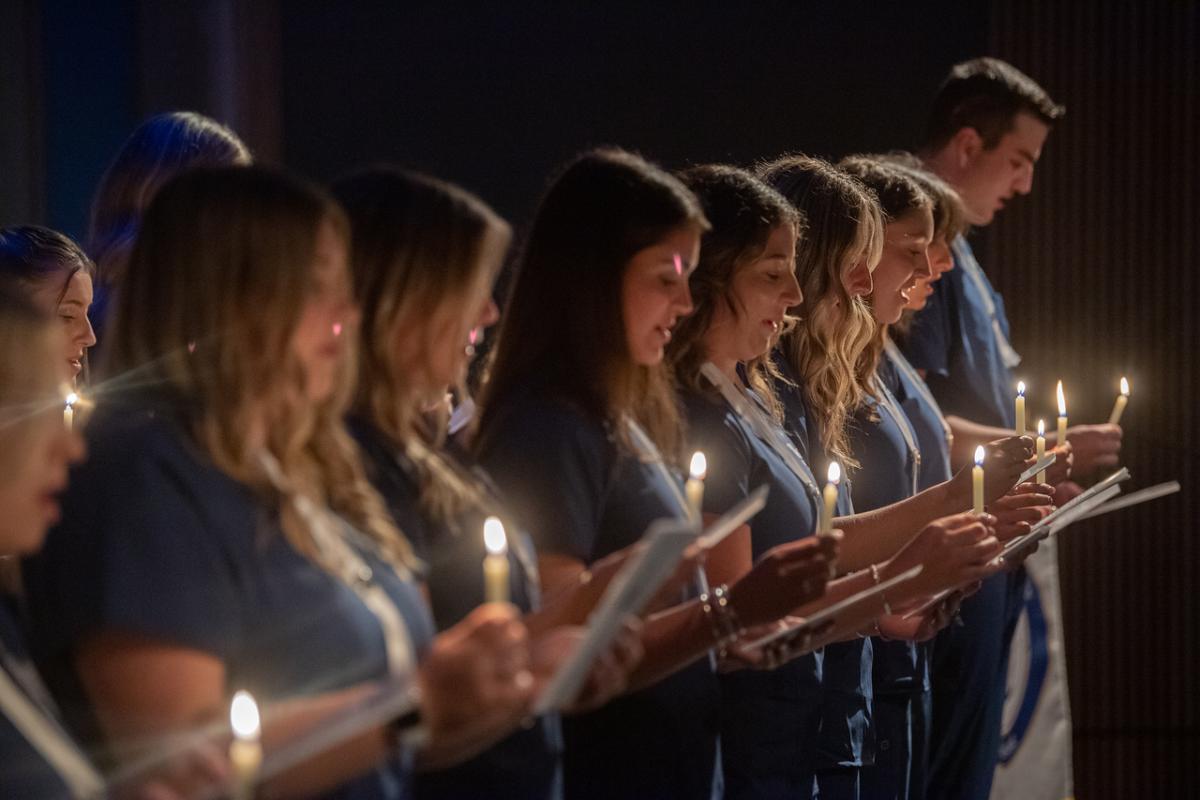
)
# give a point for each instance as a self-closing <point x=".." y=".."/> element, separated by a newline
<point x="563" y="323"/>
<point x="898" y="195"/>
<point x="215" y="330"/>
<point x="743" y="211"/>
<point x="421" y="247"/>
<point x="159" y="149"/>
<point x="833" y="329"/>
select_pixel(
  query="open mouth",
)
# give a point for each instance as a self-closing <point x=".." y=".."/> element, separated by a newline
<point x="664" y="333"/>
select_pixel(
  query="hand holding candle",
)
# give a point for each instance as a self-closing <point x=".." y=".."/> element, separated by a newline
<point x="1062" y="416"/>
<point x="1020" y="426"/>
<point x="694" y="489"/>
<point x="245" y="751"/>
<point x="1041" y="448"/>
<point x="495" y="563"/>
<point x="977" y="481"/>
<point x="1119" y="407"/>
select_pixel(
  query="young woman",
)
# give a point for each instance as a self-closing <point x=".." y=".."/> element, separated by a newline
<point x="57" y="276"/>
<point x="222" y="534"/>
<point x="820" y="390"/>
<point x="580" y="428"/>
<point x="743" y="288"/>
<point x="425" y="256"/>
<point x="159" y="149"/>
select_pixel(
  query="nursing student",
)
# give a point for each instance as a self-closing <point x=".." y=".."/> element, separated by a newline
<point x="819" y="390"/>
<point x="885" y="443"/>
<point x="425" y="255"/>
<point x="743" y="288"/>
<point x="57" y="276"/>
<point x="222" y="534"/>
<point x="580" y="429"/>
<point x="984" y="135"/>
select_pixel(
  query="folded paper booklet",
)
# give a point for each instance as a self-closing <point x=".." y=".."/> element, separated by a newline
<point x="1046" y="462"/>
<point x="629" y="592"/>
<point x="1140" y="496"/>
<point x="837" y="609"/>
<point x="1073" y="515"/>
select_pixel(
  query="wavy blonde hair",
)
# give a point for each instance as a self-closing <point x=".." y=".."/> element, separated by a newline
<point x="823" y="346"/>
<point x="425" y="255"/>
<point x="218" y="280"/>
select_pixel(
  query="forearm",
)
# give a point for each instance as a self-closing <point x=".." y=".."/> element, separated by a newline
<point x="967" y="436"/>
<point x="672" y="640"/>
<point x="875" y="536"/>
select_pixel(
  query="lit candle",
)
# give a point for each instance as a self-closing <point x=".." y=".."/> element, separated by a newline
<point x="1041" y="448"/>
<point x="1062" y="416"/>
<point x="1020" y="426"/>
<point x="245" y="751"/>
<point x="495" y="563"/>
<point x="977" y="481"/>
<point x="69" y="410"/>
<point x="830" y="495"/>
<point x="694" y="489"/>
<point x="1119" y="406"/>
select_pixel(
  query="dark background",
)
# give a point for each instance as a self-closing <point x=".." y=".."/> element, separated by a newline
<point x="1098" y="266"/>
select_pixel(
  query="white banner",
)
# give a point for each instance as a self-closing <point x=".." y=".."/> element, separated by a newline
<point x="1035" y="748"/>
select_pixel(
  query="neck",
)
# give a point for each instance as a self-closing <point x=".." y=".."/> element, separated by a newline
<point x="721" y="360"/>
<point x="941" y="163"/>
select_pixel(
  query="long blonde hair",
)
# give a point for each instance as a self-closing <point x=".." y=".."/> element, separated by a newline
<point x="217" y="282"/>
<point x="421" y="247"/>
<point x="844" y="228"/>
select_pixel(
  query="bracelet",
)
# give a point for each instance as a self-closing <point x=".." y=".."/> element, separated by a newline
<point x="720" y="615"/>
<point x="887" y="608"/>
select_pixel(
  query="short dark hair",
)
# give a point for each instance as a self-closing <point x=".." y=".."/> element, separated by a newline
<point x="986" y="94"/>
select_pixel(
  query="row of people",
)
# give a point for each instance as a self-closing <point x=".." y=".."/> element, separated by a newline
<point x="274" y="498"/>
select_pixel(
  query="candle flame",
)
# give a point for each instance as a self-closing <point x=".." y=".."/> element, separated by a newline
<point x="243" y="716"/>
<point x="1124" y="387"/>
<point x="71" y="399"/>
<point x="493" y="536"/>
<point x="835" y="472"/>
<point x="979" y="456"/>
<point x="1041" y="427"/>
<point x="1062" y="401"/>
<point x="699" y="466"/>
<point x="1020" y="388"/>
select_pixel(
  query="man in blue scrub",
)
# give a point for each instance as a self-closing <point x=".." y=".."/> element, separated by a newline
<point x="984" y="135"/>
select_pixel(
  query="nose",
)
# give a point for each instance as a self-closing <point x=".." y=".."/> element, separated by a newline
<point x="924" y="267"/>
<point x="792" y="295"/>
<point x="1024" y="184"/>
<point x="683" y="301"/>
<point x="490" y="314"/>
<point x="89" y="334"/>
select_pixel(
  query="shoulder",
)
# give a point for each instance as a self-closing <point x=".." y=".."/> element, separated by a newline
<point x="539" y="419"/>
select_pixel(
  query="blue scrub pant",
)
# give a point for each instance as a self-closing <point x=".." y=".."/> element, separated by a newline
<point x="838" y="784"/>
<point x="901" y="723"/>
<point x="970" y="667"/>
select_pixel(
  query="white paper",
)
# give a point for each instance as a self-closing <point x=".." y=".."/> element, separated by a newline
<point x="831" y="612"/>
<point x="1140" y="496"/>
<point x="1045" y="463"/>
<point x="734" y="518"/>
<point x="1061" y="521"/>
<point x="625" y="596"/>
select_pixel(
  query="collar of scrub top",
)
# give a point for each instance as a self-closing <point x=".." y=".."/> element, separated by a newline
<point x="475" y="486"/>
<point x="329" y="534"/>
<point x="918" y="383"/>
<point x="46" y="735"/>
<point x="888" y="402"/>
<point x="965" y="259"/>
<point x="747" y="406"/>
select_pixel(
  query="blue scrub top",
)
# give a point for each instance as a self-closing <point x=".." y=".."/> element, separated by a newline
<point x="845" y="739"/>
<point x="879" y="439"/>
<point x="526" y="762"/>
<point x="24" y="772"/>
<point x="581" y="495"/>
<point x="156" y="541"/>
<point x="961" y="340"/>
<point x="924" y="414"/>
<point x="769" y="720"/>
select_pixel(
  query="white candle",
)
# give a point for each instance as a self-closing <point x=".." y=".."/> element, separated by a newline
<point x="830" y="496"/>
<point x="694" y="488"/>
<point x="1041" y="448"/>
<point x="977" y="481"/>
<point x="1062" y="415"/>
<point x="1020" y="426"/>
<point x="245" y="751"/>
<point x="69" y="410"/>
<point x="495" y="563"/>
<point x="1119" y="407"/>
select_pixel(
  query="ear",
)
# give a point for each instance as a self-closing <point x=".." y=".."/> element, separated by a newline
<point x="965" y="146"/>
